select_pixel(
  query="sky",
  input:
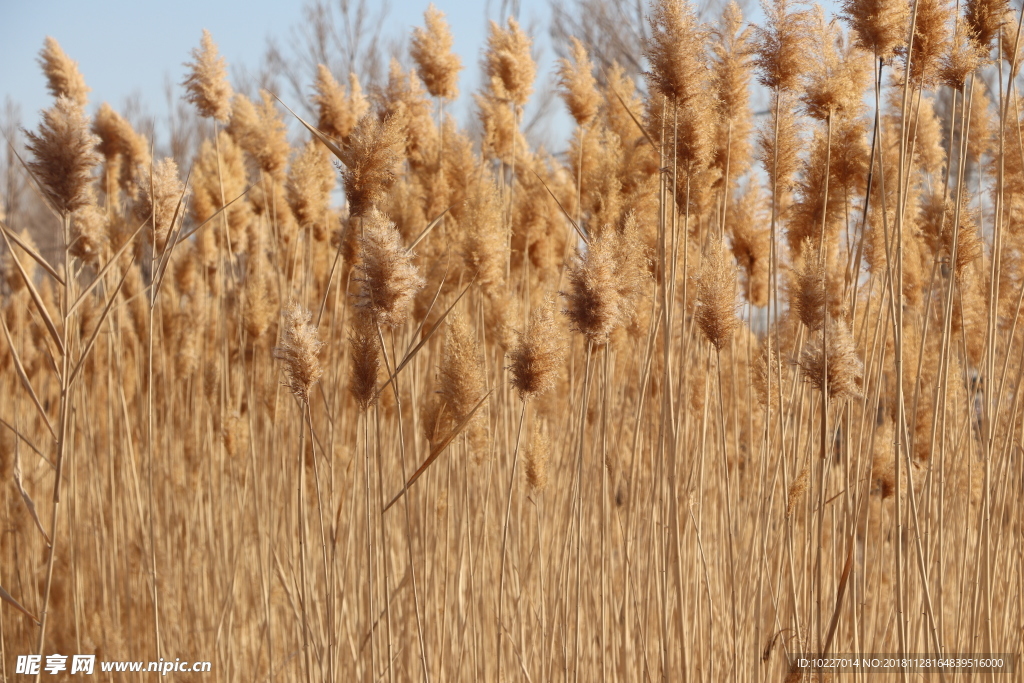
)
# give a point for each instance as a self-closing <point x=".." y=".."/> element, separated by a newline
<point x="126" y="47"/>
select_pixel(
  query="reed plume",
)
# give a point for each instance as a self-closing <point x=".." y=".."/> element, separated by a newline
<point x="365" y="348"/>
<point x="123" y="149"/>
<point x="780" y="46"/>
<point x="460" y="377"/>
<point x="431" y="49"/>
<point x="939" y="215"/>
<point x="62" y="75"/>
<point x="985" y="18"/>
<point x="674" y="51"/>
<point x="64" y="155"/>
<point x="779" y="152"/>
<point x="389" y="280"/>
<point x="879" y="25"/>
<point x="216" y="181"/>
<point x="311" y="180"/>
<point x="404" y="102"/>
<point x="537" y="460"/>
<point x="578" y="86"/>
<point x="766" y="365"/>
<point x="809" y="297"/>
<point x="605" y="283"/>
<point x="88" y="233"/>
<point x="680" y="72"/>
<point x="844" y="368"/>
<point x="837" y="79"/>
<point x="259" y="130"/>
<point x="259" y="303"/>
<point x="161" y="199"/>
<point x="963" y="57"/>
<point x="338" y="109"/>
<point x="796" y="490"/>
<point x="206" y="85"/>
<point x="716" y="295"/>
<point x="931" y="40"/>
<point x="371" y="156"/>
<point x="537" y="354"/>
<point x="731" y="73"/>
<point x="751" y="244"/>
<point x="299" y="351"/>
<point x="484" y="244"/>
<point x="508" y="64"/>
<point x="501" y="135"/>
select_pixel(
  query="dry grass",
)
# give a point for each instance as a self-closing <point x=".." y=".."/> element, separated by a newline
<point x="247" y="423"/>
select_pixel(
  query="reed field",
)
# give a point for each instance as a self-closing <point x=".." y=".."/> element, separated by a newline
<point x="376" y="394"/>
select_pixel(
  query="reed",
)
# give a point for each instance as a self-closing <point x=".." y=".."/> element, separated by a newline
<point x="392" y="396"/>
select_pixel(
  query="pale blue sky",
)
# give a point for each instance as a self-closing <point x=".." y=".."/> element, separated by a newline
<point x="126" y="47"/>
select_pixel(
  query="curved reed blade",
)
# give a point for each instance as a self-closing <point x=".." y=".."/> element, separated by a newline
<point x="430" y="226"/>
<point x="436" y="452"/>
<point x="36" y="299"/>
<point x="317" y="133"/>
<point x="32" y="252"/>
<point x="6" y="597"/>
<point x="23" y="376"/>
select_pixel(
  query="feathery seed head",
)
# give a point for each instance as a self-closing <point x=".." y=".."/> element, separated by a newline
<point x="259" y="130"/>
<point x="937" y="227"/>
<point x="88" y="232"/>
<point x="836" y="81"/>
<point x="310" y="182"/>
<point x="781" y="45"/>
<point x="124" y="150"/>
<point x="578" y="85"/>
<point x="681" y="73"/>
<point x="461" y="380"/>
<point x="845" y="369"/>
<point x="809" y="295"/>
<point x="537" y="460"/>
<point x="751" y="244"/>
<point x="732" y="64"/>
<point x="389" y="280"/>
<point x="338" y="111"/>
<point x="65" y="155"/>
<point x="206" y="85"/>
<point x="964" y="56"/>
<point x="605" y="282"/>
<point x="766" y="373"/>
<point x="675" y="51"/>
<point x="161" y="197"/>
<point x="484" y="238"/>
<point x="508" y="63"/>
<point x="879" y="25"/>
<point x="797" y="489"/>
<point x="984" y="19"/>
<point x="365" y="360"/>
<point x="299" y="351"/>
<point x="210" y="173"/>
<point x="536" y="356"/>
<point x="716" y="295"/>
<point x="931" y="40"/>
<point x="1012" y="46"/>
<point x="431" y="49"/>
<point x="371" y="157"/>
<point x="259" y="304"/>
<point x="62" y="74"/>
<point x="780" y="154"/>
<point x="404" y="100"/>
<point x="500" y="134"/>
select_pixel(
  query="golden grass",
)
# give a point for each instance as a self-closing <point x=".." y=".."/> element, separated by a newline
<point x="764" y="384"/>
